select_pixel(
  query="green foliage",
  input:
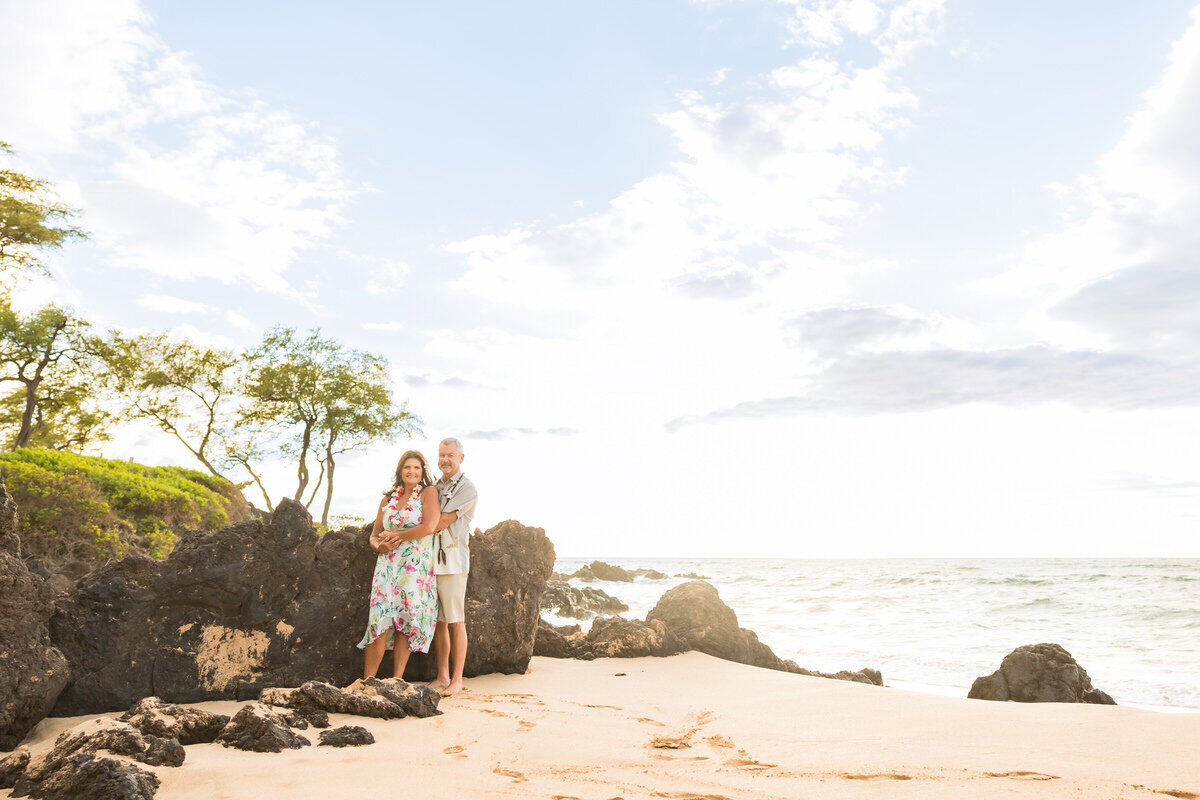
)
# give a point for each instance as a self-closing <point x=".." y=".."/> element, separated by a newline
<point x="76" y="511"/>
<point x="30" y="220"/>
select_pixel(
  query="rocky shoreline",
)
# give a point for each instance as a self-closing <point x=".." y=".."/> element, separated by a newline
<point x="268" y="603"/>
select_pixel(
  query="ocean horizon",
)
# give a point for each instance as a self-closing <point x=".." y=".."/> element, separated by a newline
<point x="937" y="624"/>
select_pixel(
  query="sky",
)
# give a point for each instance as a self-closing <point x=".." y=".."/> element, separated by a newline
<point x="793" y="278"/>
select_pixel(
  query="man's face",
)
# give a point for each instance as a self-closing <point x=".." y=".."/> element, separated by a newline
<point x="448" y="459"/>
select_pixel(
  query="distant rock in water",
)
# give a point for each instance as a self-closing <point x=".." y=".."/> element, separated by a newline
<point x="603" y="571"/>
<point x="690" y="616"/>
<point x="33" y="671"/>
<point x="692" y="575"/>
<point x="567" y="601"/>
<point x="271" y="603"/>
<point x="1039" y="673"/>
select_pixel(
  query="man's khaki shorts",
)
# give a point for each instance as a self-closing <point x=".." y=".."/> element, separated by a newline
<point x="452" y="598"/>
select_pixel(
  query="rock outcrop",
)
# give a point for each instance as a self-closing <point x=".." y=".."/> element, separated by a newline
<point x="603" y="571"/>
<point x="384" y="698"/>
<point x="270" y="603"/>
<point x="579" y="603"/>
<point x="1039" y="673"/>
<point x="261" y="729"/>
<point x="188" y="725"/>
<point x="77" y="766"/>
<point x="346" y="736"/>
<point x="510" y="563"/>
<point x="32" y="670"/>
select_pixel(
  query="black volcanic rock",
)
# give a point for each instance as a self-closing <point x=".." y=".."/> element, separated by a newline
<point x="385" y="698"/>
<point x="1039" y="673"/>
<point x="510" y="563"/>
<point x="579" y="603"/>
<point x="87" y="776"/>
<point x="270" y="603"/>
<point x="616" y="637"/>
<point x="260" y="729"/>
<point x="346" y="736"/>
<point x="33" y="672"/>
<point x="189" y="725"/>
<point x="602" y="571"/>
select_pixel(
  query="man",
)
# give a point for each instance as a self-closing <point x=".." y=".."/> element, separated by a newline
<point x="452" y="562"/>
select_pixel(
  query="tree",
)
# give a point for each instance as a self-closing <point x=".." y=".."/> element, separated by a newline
<point x="326" y="398"/>
<point x="186" y="390"/>
<point x="49" y="354"/>
<point x="30" y="220"/>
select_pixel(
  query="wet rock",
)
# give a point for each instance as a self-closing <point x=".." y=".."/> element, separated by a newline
<point x="32" y="671"/>
<point x="346" y="736"/>
<point x="692" y="575"/>
<point x="261" y="729"/>
<point x="650" y="574"/>
<point x="602" y="571"/>
<point x="1039" y="673"/>
<point x="865" y="675"/>
<point x="579" y="603"/>
<point x="86" y="776"/>
<point x="384" y="698"/>
<point x="12" y="767"/>
<point x="509" y="566"/>
<point x="558" y="642"/>
<point x="617" y="637"/>
<point x="189" y="725"/>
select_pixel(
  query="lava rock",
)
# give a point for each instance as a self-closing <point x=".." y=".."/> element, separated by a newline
<point x="1039" y="673"/>
<point x="602" y="571"/>
<point x="509" y="566"/>
<point x="189" y="725"/>
<point x="85" y="776"/>
<point x="384" y="698"/>
<point x="617" y="637"/>
<point x="650" y="574"/>
<point x="309" y="715"/>
<point x="695" y="613"/>
<point x="579" y="603"/>
<point x="261" y="729"/>
<point x="32" y="671"/>
<point x="346" y="736"/>
<point x="865" y="675"/>
<point x="558" y="642"/>
<point x="12" y="767"/>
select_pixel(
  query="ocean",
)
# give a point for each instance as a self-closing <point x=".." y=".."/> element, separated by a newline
<point x="937" y="624"/>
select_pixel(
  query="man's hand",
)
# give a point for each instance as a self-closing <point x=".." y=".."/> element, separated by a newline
<point x="447" y="519"/>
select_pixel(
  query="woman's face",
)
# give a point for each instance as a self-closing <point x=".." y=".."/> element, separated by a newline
<point x="410" y="472"/>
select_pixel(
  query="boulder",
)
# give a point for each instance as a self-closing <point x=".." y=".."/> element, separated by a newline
<point x="346" y="736"/>
<point x="32" y="671"/>
<point x="509" y="567"/>
<point x="566" y="600"/>
<point x="616" y="637"/>
<point x="601" y="571"/>
<point x="558" y="642"/>
<point x="189" y="725"/>
<point x="260" y="729"/>
<point x="269" y="603"/>
<point x="384" y="698"/>
<point x="87" y="776"/>
<point x="864" y="675"/>
<point x="1039" y="673"/>
<point x="650" y="574"/>
<point x="12" y="767"/>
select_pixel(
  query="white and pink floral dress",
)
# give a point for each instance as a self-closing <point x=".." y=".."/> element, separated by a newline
<point x="404" y="588"/>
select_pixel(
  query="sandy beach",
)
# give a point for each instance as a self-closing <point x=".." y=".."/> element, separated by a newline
<point x="692" y="726"/>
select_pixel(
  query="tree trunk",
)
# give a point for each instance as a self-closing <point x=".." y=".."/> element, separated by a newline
<point x="302" y="469"/>
<point x="26" y="431"/>
<point x="328" y="488"/>
<point x="316" y="486"/>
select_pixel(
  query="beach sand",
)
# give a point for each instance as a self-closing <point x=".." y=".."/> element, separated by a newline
<point x="692" y="727"/>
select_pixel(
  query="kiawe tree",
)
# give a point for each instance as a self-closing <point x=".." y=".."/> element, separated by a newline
<point x="324" y="399"/>
<point x="31" y="220"/>
<point x="53" y="362"/>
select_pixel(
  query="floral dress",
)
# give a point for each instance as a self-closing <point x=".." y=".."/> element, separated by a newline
<point x="404" y="589"/>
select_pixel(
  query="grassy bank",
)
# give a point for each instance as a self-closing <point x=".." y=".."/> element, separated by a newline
<point x="77" y="511"/>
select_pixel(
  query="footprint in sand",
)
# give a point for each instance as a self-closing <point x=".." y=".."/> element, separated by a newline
<point x="748" y="763"/>
<point x="649" y="721"/>
<point x="526" y="725"/>
<point x="510" y="773"/>
<point x="717" y="740"/>
<point x="454" y="750"/>
<point x="1023" y="775"/>
<point x="876" y="776"/>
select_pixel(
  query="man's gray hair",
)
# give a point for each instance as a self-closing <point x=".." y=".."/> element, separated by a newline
<point x="450" y="440"/>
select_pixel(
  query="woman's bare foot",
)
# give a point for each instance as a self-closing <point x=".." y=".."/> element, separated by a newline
<point x="454" y="687"/>
<point x="439" y="685"/>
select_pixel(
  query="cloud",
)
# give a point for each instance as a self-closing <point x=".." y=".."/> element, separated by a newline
<point x="384" y="326"/>
<point x="242" y="190"/>
<point x="497" y="434"/>
<point x="898" y="382"/>
<point x="386" y="277"/>
<point x="172" y="305"/>
<point x="837" y="330"/>
<point x="453" y="382"/>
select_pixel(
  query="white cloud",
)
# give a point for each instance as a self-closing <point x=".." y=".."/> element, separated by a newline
<point x="383" y="326"/>
<point x="387" y="277"/>
<point x="242" y="193"/>
<point x="172" y="305"/>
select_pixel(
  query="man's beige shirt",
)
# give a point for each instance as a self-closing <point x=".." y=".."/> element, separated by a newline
<point x="452" y="547"/>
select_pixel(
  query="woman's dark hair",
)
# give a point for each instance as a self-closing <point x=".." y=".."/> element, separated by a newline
<point x="426" y="478"/>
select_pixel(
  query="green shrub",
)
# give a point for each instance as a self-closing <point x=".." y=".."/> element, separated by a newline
<point x="76" y="511"/>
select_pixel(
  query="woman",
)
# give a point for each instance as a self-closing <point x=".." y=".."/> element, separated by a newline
<point x="404" y="589"/>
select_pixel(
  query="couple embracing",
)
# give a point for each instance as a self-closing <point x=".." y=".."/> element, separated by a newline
<point x="418" y="592"/>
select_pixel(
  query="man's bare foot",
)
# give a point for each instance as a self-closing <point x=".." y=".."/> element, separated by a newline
<point x="439" y="685"/>
<point x="454" y="687"/>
